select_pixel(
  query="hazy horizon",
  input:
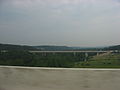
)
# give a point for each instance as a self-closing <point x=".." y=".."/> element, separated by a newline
<point x="84" y="23"/>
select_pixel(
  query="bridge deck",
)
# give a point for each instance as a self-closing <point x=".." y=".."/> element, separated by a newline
<point x="67" y="51"/>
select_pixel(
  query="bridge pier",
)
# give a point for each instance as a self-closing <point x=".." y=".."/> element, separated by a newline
<point x="53" y="53"/>
<point x="97" y="53"/>
<point x="86" y="56"/>
<point x="44" y="54"/>
<point x="74" y="53"/>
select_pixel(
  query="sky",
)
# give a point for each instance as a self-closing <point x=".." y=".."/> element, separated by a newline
<point x="60" y="22"/>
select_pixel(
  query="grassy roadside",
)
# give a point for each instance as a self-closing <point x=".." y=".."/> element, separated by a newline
<point x="101" y="61"/>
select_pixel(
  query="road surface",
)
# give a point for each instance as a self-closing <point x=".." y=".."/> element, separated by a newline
<point x="29" y="78"/>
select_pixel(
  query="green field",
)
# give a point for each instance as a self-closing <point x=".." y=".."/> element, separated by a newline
<point x="111" y="60"/>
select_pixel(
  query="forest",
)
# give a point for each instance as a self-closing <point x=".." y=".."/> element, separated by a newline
<point x="25" y="58"/>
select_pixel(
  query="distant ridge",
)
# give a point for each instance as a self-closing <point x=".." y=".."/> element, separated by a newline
<point x="53" y="47"/>
<point x="15" y="47"/>
<point x="116" y="47"/>
<point x="40" y="48"/>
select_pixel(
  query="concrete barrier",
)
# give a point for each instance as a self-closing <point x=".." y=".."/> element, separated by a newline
<point x="25" y="78"/>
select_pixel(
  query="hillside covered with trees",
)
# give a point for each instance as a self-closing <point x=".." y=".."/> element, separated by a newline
<point x="15" y="47"/>
<point x="25" y="58"/>
<point x="45" y="47"/>
<point x="117" y="47"/>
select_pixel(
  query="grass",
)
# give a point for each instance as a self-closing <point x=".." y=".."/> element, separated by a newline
<point x="101" y="61"/>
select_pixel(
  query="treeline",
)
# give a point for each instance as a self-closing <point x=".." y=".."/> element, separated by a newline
<point x="44" y="48"/>
<point x="25" y="58"/>
<point x="16" y="47"/>
<point x="35" y="48"/>
<point x="117" y="47"/>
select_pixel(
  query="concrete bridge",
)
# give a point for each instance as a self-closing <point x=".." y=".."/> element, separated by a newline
<point x="44" y="53"/>
<point x="69" y="51"/>
<point x="37" y="78"/>
<point x="74" y="52"/>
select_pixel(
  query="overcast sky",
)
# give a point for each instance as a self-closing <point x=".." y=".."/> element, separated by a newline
<point x="60" y="22"/>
